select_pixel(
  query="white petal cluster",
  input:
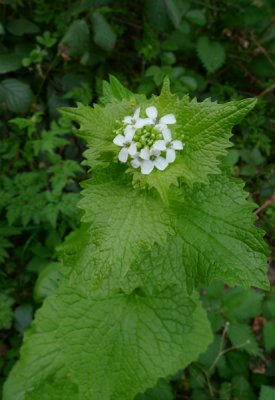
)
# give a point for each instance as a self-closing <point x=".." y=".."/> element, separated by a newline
<point x="147" y="141"/>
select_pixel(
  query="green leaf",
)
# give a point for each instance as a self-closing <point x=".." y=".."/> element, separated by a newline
<point x="116" y="92"/>
<point x="22" y="26"/>
<point x="204" y="128"/>
<point x="211" y="53"/>
<point x="241" y="389"/>
<point x="23" y="316"/>
<point x="5" y="243"/>
<point x="132" y="214"/>
<point x="267" y="393"/>
<point x="76" y="40"/>
<point x="156" y="14"/>
<point x="162" y="391"/>
<point x="64" y="389"/>
<point x="15" y="95"/>
<point x="215" y="223"/>
<point x="269" y="336"/>
<point x="125" y="342"/>
<point x="175" y="10"/>
<point x="269" y="304"/>
<point x="104" y="35"/>
<point x="47" y="282"/>
<point x="241" y="336"/>
<point x="238" y="363"/>
<point x="6" y="313"/>
<point x="208" y="358"/>
<point x="197" y="17"/>
<point x="242" y="304"/>
<point x="163" y="265"/>
<point x="9" y="62"/>
<point x="17" y="192"/>
<point x="63" y="173"/>
<point x="97" y="128"/>
<point x="225" y="391"/>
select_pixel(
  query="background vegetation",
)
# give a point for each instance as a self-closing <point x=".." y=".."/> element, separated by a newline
<point x="55" y="53"/>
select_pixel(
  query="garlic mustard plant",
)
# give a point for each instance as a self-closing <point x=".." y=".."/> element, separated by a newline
<point x="160" y="217"/>
<point x="148" y="141"/>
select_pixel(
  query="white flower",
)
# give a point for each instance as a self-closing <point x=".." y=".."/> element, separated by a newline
<point x="128" y="145"/>
<point x="135" y="122"/>
<point x="146" y="166"/>
<point x="149" y="159"/>
<point x="168" y="145"/>
<point x="146" y="140"/>
<point x="152" y="114"/>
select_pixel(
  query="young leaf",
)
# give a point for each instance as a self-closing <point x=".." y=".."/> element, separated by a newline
<point x="196" y="17"/>
<point x="173" y="8"/>
<point x="242" y="304"/>
<point x="15" y="95"/>
<point x="241" y="335"/>
<point x="116" y="92"/>
<point x="76" y="39"/>
<point x="9" y="62"/>
<point x="96" y="127"/>
<point x="205" y="129"/>
<point x="104" y="36"/>
<point x="211" y="54"/>
<point x="156" y="14"/>
<point x="22" y="26"/>
<point x="47" y="282"/>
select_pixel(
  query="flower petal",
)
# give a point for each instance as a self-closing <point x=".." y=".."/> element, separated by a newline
<point x="132" y="149"/>
<point x="129" y="133"/>
<point x="141" y="122"/>
<point x="168" y="119"/>
<point x="161" y="163"/>
<point x="177" y="145"/>
<point x="145" y="154"/>
<point x="119" y="140"/>
<point x="136" y="114"/>
<point x="147" y="166"/>
<point x="159" y="145"/>
<point x="151" y="112"/>
<point x="127" y="120"/>
<point x="154" y="152"/>
<point x="166" y="133"/>
<point x="160" y="127"/>
<point x="123" y="155"/>
<point x="135" y="163"/>
<point x="170" y="155"/>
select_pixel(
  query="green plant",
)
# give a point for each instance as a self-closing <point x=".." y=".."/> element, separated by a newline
<point x="127" y="310"/>
<point x="238" y="363"/>
<point x="140" y="43"/>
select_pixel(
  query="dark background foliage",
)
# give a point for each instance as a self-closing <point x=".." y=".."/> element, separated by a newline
<point x="55" y="53"/>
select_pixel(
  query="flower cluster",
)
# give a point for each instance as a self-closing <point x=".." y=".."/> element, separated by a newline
<point x="147" y="141"/>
